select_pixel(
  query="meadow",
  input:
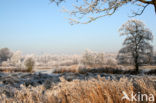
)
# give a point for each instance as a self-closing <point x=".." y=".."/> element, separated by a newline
<point x="90" y="77"/>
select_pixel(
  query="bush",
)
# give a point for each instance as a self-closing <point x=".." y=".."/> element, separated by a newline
<point x="88" y="58"/>
<point x="111" y="62"/>
<point x="29" y="63"/>
<point x="93" y="59"/>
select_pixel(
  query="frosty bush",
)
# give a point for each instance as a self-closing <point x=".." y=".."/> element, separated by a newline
<point x="5" y="64"/>
<point x="99" y="59"/>
<point x="111" y="62"/>
<point x="29" y="63"/>
<point x="94" y="59"/>
<point x="17" y="60"/>
<point x="88" y="58"/>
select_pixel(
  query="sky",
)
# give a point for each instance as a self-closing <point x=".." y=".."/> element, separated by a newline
<point x="37" y="26"/>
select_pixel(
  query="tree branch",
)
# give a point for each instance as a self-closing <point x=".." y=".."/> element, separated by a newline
<point x="146" y="2"/>
<point x="136" y="14"/>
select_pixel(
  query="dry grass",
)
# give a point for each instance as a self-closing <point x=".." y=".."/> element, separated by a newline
<point x="82" y="91"/>
<point x="85" y="69"/>
<point x="105" y="69"/>
<point x="149" y="67"/>
<point x="109" y="69"/>
<point x="14" y="70"/>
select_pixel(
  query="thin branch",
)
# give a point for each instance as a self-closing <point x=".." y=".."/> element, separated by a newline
<point x="136" y="14"/>
<point x="73" y="21"/>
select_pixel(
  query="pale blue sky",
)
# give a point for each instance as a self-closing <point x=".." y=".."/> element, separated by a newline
<point x="36" y="26"/>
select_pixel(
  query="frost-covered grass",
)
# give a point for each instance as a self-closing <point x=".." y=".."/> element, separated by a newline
<point x="86" y="69"/>
<point x="106" y="69"/>
<point x="94" y="90"/>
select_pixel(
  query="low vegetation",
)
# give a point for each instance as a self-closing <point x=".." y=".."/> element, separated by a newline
<point x="29" y="63"/>
<point x="106" y="69"/>
<point x="73" y="80"/>
<point x="100" y="90"/>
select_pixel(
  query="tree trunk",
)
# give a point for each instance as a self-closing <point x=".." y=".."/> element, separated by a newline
<point x="136" y="63"/>
<point x="136" y="67"/>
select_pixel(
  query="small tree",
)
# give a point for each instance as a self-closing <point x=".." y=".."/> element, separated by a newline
<point x="99" y="59"/>
<point x="88" y="58"/>
<point x="5" y="54"/>
<point x="137" y="46"/>
<point x="29" y="63"/>
<point x="15" y="60"/>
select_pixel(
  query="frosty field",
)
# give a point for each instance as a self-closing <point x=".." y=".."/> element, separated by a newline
<point x="73" y="87"/>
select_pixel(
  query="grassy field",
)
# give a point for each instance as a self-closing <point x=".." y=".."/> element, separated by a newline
<point x="93" y="90"/>
<point x="70" y="79"/>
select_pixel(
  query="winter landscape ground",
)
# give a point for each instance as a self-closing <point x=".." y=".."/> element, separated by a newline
<point x="88" y="78"/>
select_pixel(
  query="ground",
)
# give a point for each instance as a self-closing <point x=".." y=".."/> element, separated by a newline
<point x="57" y="88"/>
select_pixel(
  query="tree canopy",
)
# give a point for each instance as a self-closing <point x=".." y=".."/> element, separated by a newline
<point x="101" y="8"/>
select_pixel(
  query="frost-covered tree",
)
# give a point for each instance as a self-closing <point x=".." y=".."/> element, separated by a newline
<point x="99" y="59"/>
<point x="88" y="58"/>
<point x="95" y="59"/>
<point x="95" y="9"/>
<point x="137" y="47"/>
<point x="5" y="54"/>
<point x="16" y="58"/>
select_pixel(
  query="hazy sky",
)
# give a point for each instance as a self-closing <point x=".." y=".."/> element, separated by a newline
<point x="37" y="26"/>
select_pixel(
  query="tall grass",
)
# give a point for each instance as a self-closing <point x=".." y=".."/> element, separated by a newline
<point x="82" y="91"/>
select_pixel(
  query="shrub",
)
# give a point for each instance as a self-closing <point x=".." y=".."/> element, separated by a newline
<point x="88" y="58"/>
<point x="29" y="63"/>
<point x="94" y="60"/>
<point x="111" y="62"/>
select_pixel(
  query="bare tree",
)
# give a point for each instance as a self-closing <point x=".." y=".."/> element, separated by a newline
<point x="101" y="8"/>
<point x="5" y="54"/>
<point x="137" y="46"/>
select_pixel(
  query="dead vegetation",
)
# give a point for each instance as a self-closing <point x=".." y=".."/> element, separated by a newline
<point x="99" y="90"/>
<point x="106" y="69"/>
